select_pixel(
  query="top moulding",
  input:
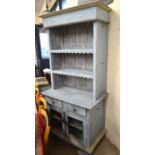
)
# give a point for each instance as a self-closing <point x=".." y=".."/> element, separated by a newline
<point x="83" y="13"/>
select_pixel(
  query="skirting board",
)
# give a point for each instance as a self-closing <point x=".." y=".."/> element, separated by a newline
<point x="80" y="146"/>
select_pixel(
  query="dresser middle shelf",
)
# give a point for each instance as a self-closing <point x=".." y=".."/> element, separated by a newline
<point x="74" y="72"/>
<point x="80" y="51"/>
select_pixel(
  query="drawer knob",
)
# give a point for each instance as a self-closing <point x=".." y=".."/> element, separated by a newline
<point x="74" y="110"/>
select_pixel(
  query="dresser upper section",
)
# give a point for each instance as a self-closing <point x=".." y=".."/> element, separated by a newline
<point x="95" y="11"/>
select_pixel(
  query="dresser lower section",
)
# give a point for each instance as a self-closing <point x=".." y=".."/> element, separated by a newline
<point x="74" y="123"/>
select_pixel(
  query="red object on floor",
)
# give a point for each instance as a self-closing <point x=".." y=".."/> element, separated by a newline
<point x="39" y="133"/>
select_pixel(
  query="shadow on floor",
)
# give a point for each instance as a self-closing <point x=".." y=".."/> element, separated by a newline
<point x="57" y="146"/>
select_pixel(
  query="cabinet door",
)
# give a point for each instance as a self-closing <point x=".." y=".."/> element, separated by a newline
<point x="57" y="120"/>
<point x="76" y="127"/>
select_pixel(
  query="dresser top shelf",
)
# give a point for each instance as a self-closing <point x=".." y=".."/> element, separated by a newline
<point x="75" y="73"/>
<point x="73" y="96"/>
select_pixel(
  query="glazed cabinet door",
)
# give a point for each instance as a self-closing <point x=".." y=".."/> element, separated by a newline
<point x="57" y="120"/>
<point x="76" y="127"/>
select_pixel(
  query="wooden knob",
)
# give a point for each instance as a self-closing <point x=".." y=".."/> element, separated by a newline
<point x="74" y="110"/>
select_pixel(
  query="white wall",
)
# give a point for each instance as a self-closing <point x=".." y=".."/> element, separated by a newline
<point x="113" y="77"/>
<point x="38" y="12"/>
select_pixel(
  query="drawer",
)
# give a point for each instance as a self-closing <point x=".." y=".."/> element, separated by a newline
<point x="54" y="102"/>
<point x="74" y="109"/>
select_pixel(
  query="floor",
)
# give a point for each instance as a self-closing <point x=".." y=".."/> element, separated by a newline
<point x="57" y="146"/>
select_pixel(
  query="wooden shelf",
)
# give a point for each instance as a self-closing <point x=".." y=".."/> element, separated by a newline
<point x="76" y="136"/>
<point x="57" y="118"/>
<point x="80" y="51"/>
<point x="73" y="72"/>
<point x="76" y="125"/>
<point x="71" y="95"/>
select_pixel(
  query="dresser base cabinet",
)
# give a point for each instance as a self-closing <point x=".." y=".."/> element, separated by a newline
<point x="76" y="123"/>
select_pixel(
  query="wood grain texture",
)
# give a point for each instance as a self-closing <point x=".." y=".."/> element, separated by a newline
<point x="74" y="109"/>
<point x="73" y="96"/>
<point x="80" y="7"/>
<point x="54" y="102"/>
<point x="78" y="16"/>
<point x="74" y="73"/>
<point x="99" y="59"/>
<point x="88" y="124"/>
<point x="50" y="57"/>
<point x="73" y="61"/>
<point x="96" y="119"/>
<point x="89" y="149"/>
<point x="72" y="37"/>
<point x="73" y="82"/>
<point x="78" y="68"/>
<point x="73" y="51"/>
<point x="80" y="138"/>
